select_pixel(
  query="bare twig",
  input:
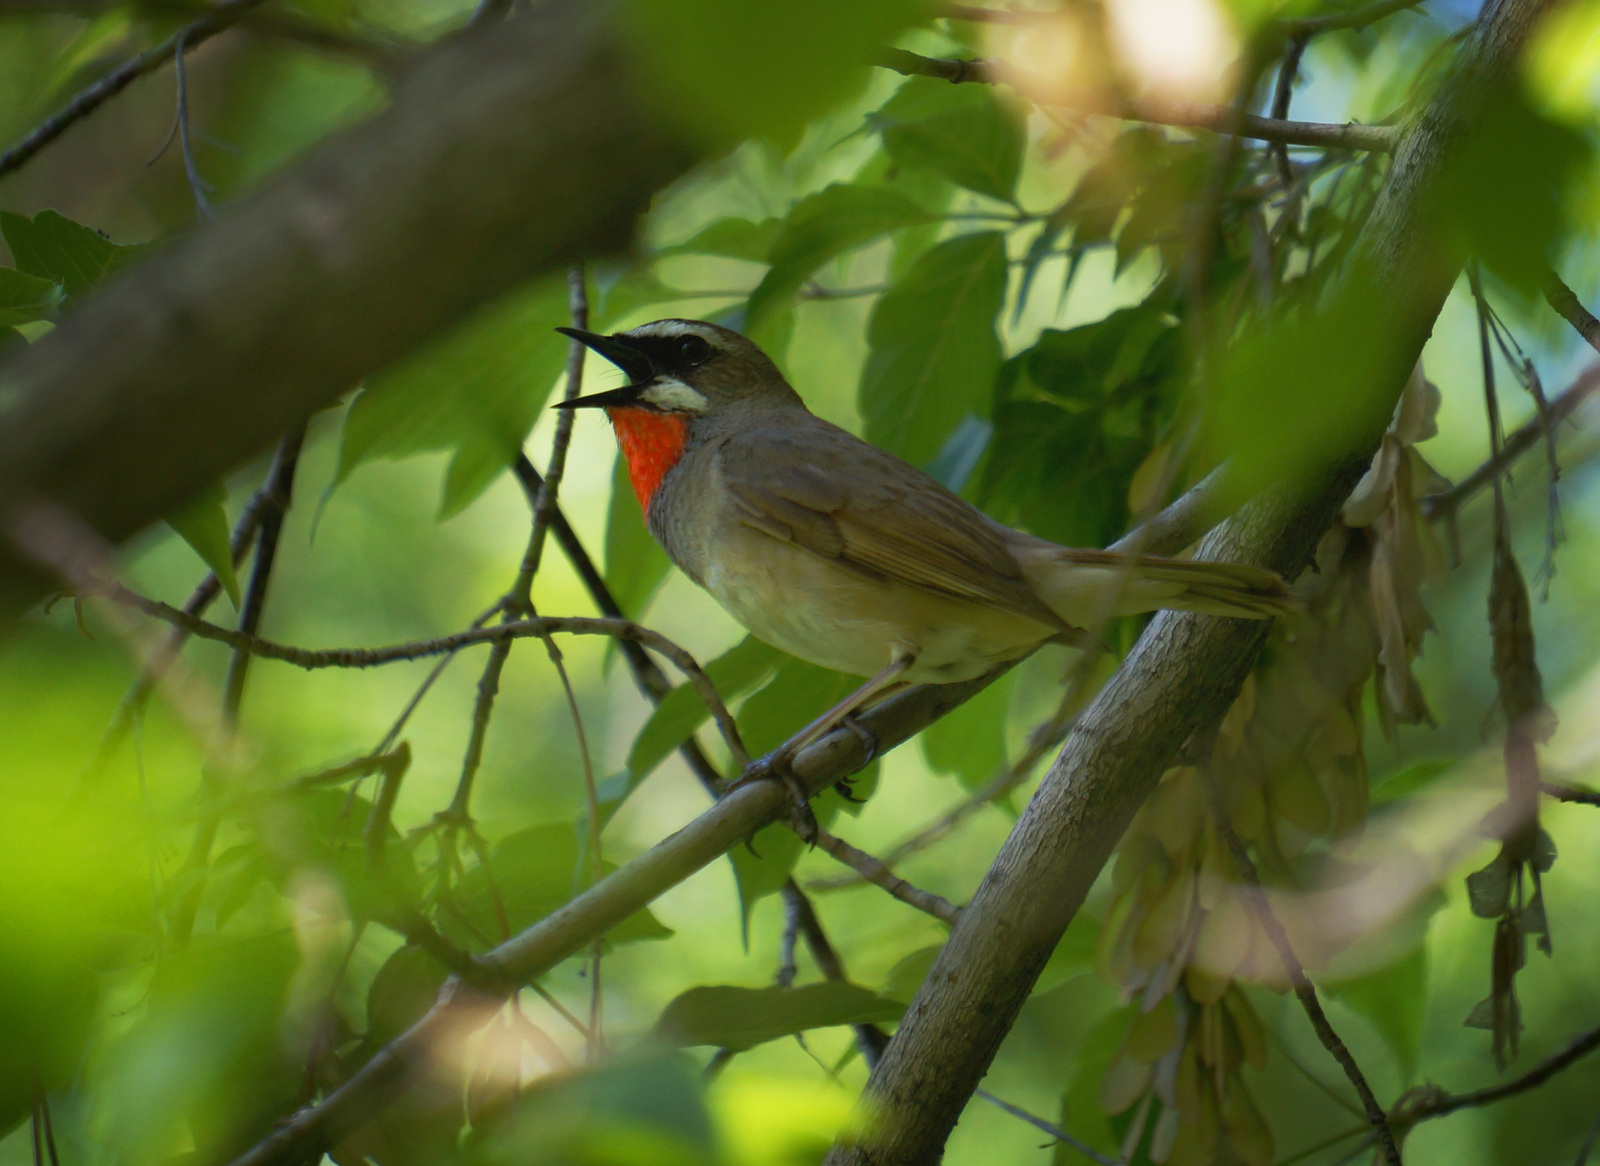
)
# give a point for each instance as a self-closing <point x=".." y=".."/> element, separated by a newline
<point x="1436" y="1103"/>
<point x="1217" y="119"/>
<point x="1567" y="304"/>
<point x="221" y="17"/>
<point x="198" y="186"/>
<point x="1567" y="793"/>
<point x="1050" y="1128"/>
<point x="876" y="873"/>
<point x="422" y="649"/>
<point x="1304" y="991"/>
<point x="1515" y="445"/>
<point x="1284" y="93"/>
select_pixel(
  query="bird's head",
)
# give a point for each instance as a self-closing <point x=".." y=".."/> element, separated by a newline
<point x="685" y="379"/>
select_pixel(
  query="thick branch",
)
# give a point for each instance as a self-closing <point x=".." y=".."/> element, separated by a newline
<point x="505" y="153"/>
<point x="1179" y="679"/>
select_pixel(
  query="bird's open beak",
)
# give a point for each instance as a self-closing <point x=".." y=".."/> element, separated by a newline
<point x="634" y="362"/>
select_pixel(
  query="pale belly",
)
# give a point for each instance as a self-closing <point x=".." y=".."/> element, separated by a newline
<point x="834" y="618"/>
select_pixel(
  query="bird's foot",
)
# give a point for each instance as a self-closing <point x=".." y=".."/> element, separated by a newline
<point x="869" y="740"/>
<point x="777" y="767"/>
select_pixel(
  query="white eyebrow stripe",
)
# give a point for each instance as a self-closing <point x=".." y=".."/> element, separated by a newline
<point x="669" y="328"/>
<point x="670" y="393"/>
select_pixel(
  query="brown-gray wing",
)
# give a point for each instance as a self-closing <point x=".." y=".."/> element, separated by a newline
<point x="838" y="497"/>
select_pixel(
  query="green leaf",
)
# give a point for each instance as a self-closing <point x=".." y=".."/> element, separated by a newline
<point x="724" y="70"/>
<point x="734" y="238"/>
<point x="1404" y="782"/>
<point x="970" y="742"/>
<point x="960" y="131"/>
<point x="934" y="352"/>
<point x="25" y="298"/>
<point x="682" y="711"/>
<point x="741" y="1018"/>
<point x="402" y="991"/>
<point x="1395" y="1000"/>
<point x="476" y="392"/>
<point x="52" y="246"/>
<point x="820" y="227"/>
<point x="536" y="871"/>
<point x="762" y="866"/>
<point x="1503" y="191"/>
<point x="635" y="562"/>
<point x="202" y="522"/>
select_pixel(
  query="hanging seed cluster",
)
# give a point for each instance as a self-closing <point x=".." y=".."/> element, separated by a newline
<point x="1290" y="774"/>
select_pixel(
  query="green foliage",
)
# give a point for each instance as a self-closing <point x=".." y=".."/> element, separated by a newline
<point x="962" y="132"/>
<point x="820" y="227"/>
<point x="529" y="874"/>
<point x="476" y="393"/>
<point x="635" y="562"/>
<point x="1394" y="999"/>
<point x="25" y="298"/>
<point x="1075" y="417"/>
<point x="733" y="673"/>
<point x="970" y="743"/>
<point x="934" y="351"/>
<point x="734" y="238"/>
<point x="740" y="1018"/>
<point x="53" y="247"/>
<point x="724" y="70"/>
<point x="202" y="522"/>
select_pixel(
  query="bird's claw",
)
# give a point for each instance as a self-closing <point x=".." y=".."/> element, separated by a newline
<point x="777" y="768"/>
<point x="869" y="740"/>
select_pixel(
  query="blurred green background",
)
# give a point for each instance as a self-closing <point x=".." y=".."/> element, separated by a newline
<point x="152" y="1046"/>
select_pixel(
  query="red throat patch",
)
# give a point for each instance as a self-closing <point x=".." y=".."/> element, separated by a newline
<point x="652" y="442"/>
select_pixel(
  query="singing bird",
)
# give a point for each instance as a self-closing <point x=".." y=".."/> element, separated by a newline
<point x="844" y="555"/>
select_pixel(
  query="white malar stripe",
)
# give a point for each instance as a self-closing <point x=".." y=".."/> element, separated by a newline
<point x="671" y="394"/>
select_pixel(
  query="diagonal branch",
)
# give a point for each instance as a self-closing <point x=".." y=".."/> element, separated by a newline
<point x="1570" y="308"/>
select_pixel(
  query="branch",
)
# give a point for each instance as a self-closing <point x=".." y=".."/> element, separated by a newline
<point x="1305" y="26"/>
<point x="1445" y="504"/>
<point x="444" y="645"/>
<point x="569" y="930"/>
<point x="1572" y="794"/>
<point x="1218" y="119"/>
<point x="1184" y="672"/>
<point x="1432" y="1104"/>
<point x="505" y="153"/>
<point x="1304" y="990"/>
<point x="880" y="875"/>
<point x="222" y="17"/>
<point x="1566" y="303"/>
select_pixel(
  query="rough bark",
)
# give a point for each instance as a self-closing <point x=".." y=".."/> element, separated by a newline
<point x="1179" y="679"/>
<point x="507" y="152"/>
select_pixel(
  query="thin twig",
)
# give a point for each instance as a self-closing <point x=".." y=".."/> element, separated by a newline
<point x="421" y="649"/>
<point x="223" y="16"/>
<point x="1304" y="991"/>
<point x="1438" y="1104"/>
<point x="198" y="186"/>
<point x="1359" y="18"/>
<point x="879" y="875"/>
<point x="1515" y="445"/>
<point x="1050" y="1128"/>
<point x="1567" y="793"/>
<point x="1287" y="72"/>
<point x="1219" y="119"/>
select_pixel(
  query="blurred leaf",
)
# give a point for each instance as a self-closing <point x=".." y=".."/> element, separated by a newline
<point x="52" y="246"/>
<point x="202" y="522"/>
<point x="643" y="1109"/>
<point x="970" y="742"/>
<point x="1395" y="1000"/>
<point x="934" y="352"/>
<point x="1082" y="1114"/>
<point x="734" y="238"/>
<point x="762" y="866"/>
<point x="402" y="991"/>
<point x="1073" y="956"/>
<point x="740" y="1018"/>
<point x="1503" y="191"/>
<point x="535" y="871"/>
<point x="25" y="298"/>
<point x="1489" y="889"/>
<point x="323" y="829"/>
<point x="820" y="227"/>
<point x="476" y="392"/>
<point x="960" y="131"/>
<point x="726" y="70"/>
<point x="961" y="454"/>
<point x="909" y="971"/>
<point x="1402" y="783"/>
<point x="734" y="672"/>
<point x="635" y="562"/>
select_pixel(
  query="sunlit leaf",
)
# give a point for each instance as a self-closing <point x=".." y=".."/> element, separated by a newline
<point x="25" y="298"/>
<point x="476" y="392"/>
<point x="829" y="223"/>
<point x="202" y="522"/>
<point x="934" y="352"/>
<point x="960" y="131"/>
<point x="740" y="1018"/>
<point x="734" y="238"/>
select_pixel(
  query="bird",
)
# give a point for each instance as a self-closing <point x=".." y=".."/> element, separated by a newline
<point x="840" y="553"/>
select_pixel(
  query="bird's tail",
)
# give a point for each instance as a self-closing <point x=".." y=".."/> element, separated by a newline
<point x="1074" y="580"/>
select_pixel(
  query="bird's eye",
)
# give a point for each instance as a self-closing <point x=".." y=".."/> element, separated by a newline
<point x="693" y="349"/>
